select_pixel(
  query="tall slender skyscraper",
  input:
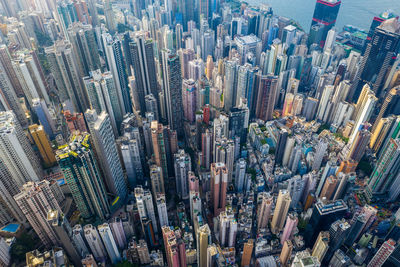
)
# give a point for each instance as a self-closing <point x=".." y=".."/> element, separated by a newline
<point x="94" y="241"/>
<point x="104" y="96"/>
<point x="145" y="206"/>
<point x="377" y="59"/>
<point x="172" y="86"/>
<point x="116" y="64"/>
<point x="364" y="108"/>
<point x="106" y="151"/>
<point x="264" y="210"/>
<point x="325" y="13"/>
<point x="43" y="144"/>
<point x="109" y="242"/>
<point x="387" y="167"/>
<point x="203" y="240"/>
<point x="83" y="176"/>
<point x="83" y="40"/>
<point x="16" y="151"/>
<point x="267" y="91"/>
<point x="36" y="200"/>
<point x="281" y="210"/>
<point x="219" y="184"/>
<point x="182" y="165"/>
<point x="383" y="253"/>
<point x="9" y="100"/>
<point x="143" y="64"/>
<point x="321" y="246"/>
<point x="64" y="67"/>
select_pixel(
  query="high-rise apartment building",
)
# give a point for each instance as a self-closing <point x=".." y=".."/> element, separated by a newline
<point x="266" y="96"/>
<point x="264" y="211"/>
<point x="144" y="202"/>
<point x="42" y="143"/>
<point x="182" y="165"/>
<point x="203" y="240"/>
<point x="109" y="242"/>
<point x="94" y="242"/>
<point x="219" y="184"/>
<point x="162" y="210"/>
<point x="36" y="200"/>
<point x="321" y="246"/>
<point x="64" y="67"/>
<point x="172" y="89"/>
<point x="106" y="151"/>
<point x="386" y="168"/>
<point x="383" y="253"/>
<point x="286" y="252"/>
<point x="16" y="151"/>
<point x="103" y="96"/>
<point x="281" y="210"/>
<point x="377" y="59"/>
<point x="83" y="40"/>
<point x="83" y="176"/>
<point x="142" y="54"/>
<point x="290" y="227"/>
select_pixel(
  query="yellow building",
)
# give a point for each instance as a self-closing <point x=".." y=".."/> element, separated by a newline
<point x="42" y="142"/>
<point x="321" y="246"/>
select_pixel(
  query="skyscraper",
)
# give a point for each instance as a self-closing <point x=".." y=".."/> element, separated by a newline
<point x="116" y="64"/>
<point x="35" y="200"/>
<point x="78" y="241"/>
<point x="377" y="59"/>
<point x="109" y="243"/>
<point x="162" y="210"/>
<point x="172" y="86"/>
<point x="383" y="253"/>
<point x="9" y="99"/>
<point x="290" y="227"/>
<point x="325" y="13"/>
<point x="189" y="94"/>
<point x="281" y="210"/>
<point x="144" y="202"/>
<point x="103" y="96"/>
<point x="94" y="241"/>
<point x="240" y="172"/>
<point x="64" y="67"/>
<point x="247" y="252"/>
<point x="203" y="240"/>
<point x="321" y="246"/>
<point x="63" y="231"/>
<point x="323" y="215"/>
<point x="329" y="188"/>
<point x="164" y="147"/>
<point x="83" y="176"/>
<point x="106" y="151"/>
<point x="182" y="165"/>
<point x="219" y="183"/>
<point x="142" y="60"/>
<point x="264" y="210"/>
<point x="83" y="40"/>
<point x="43" y="114"/>
<point x="286" y="252"/>
<point x="386" y="168"/>
<point x="16" y="151"/>
<point x="364" y="108"/>
<point x="230" y="84"/>
<point x="43" y="144"/>
<point x="267" y="91"/>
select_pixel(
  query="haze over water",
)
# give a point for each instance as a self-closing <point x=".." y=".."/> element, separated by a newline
<point x="355" y="12"/>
